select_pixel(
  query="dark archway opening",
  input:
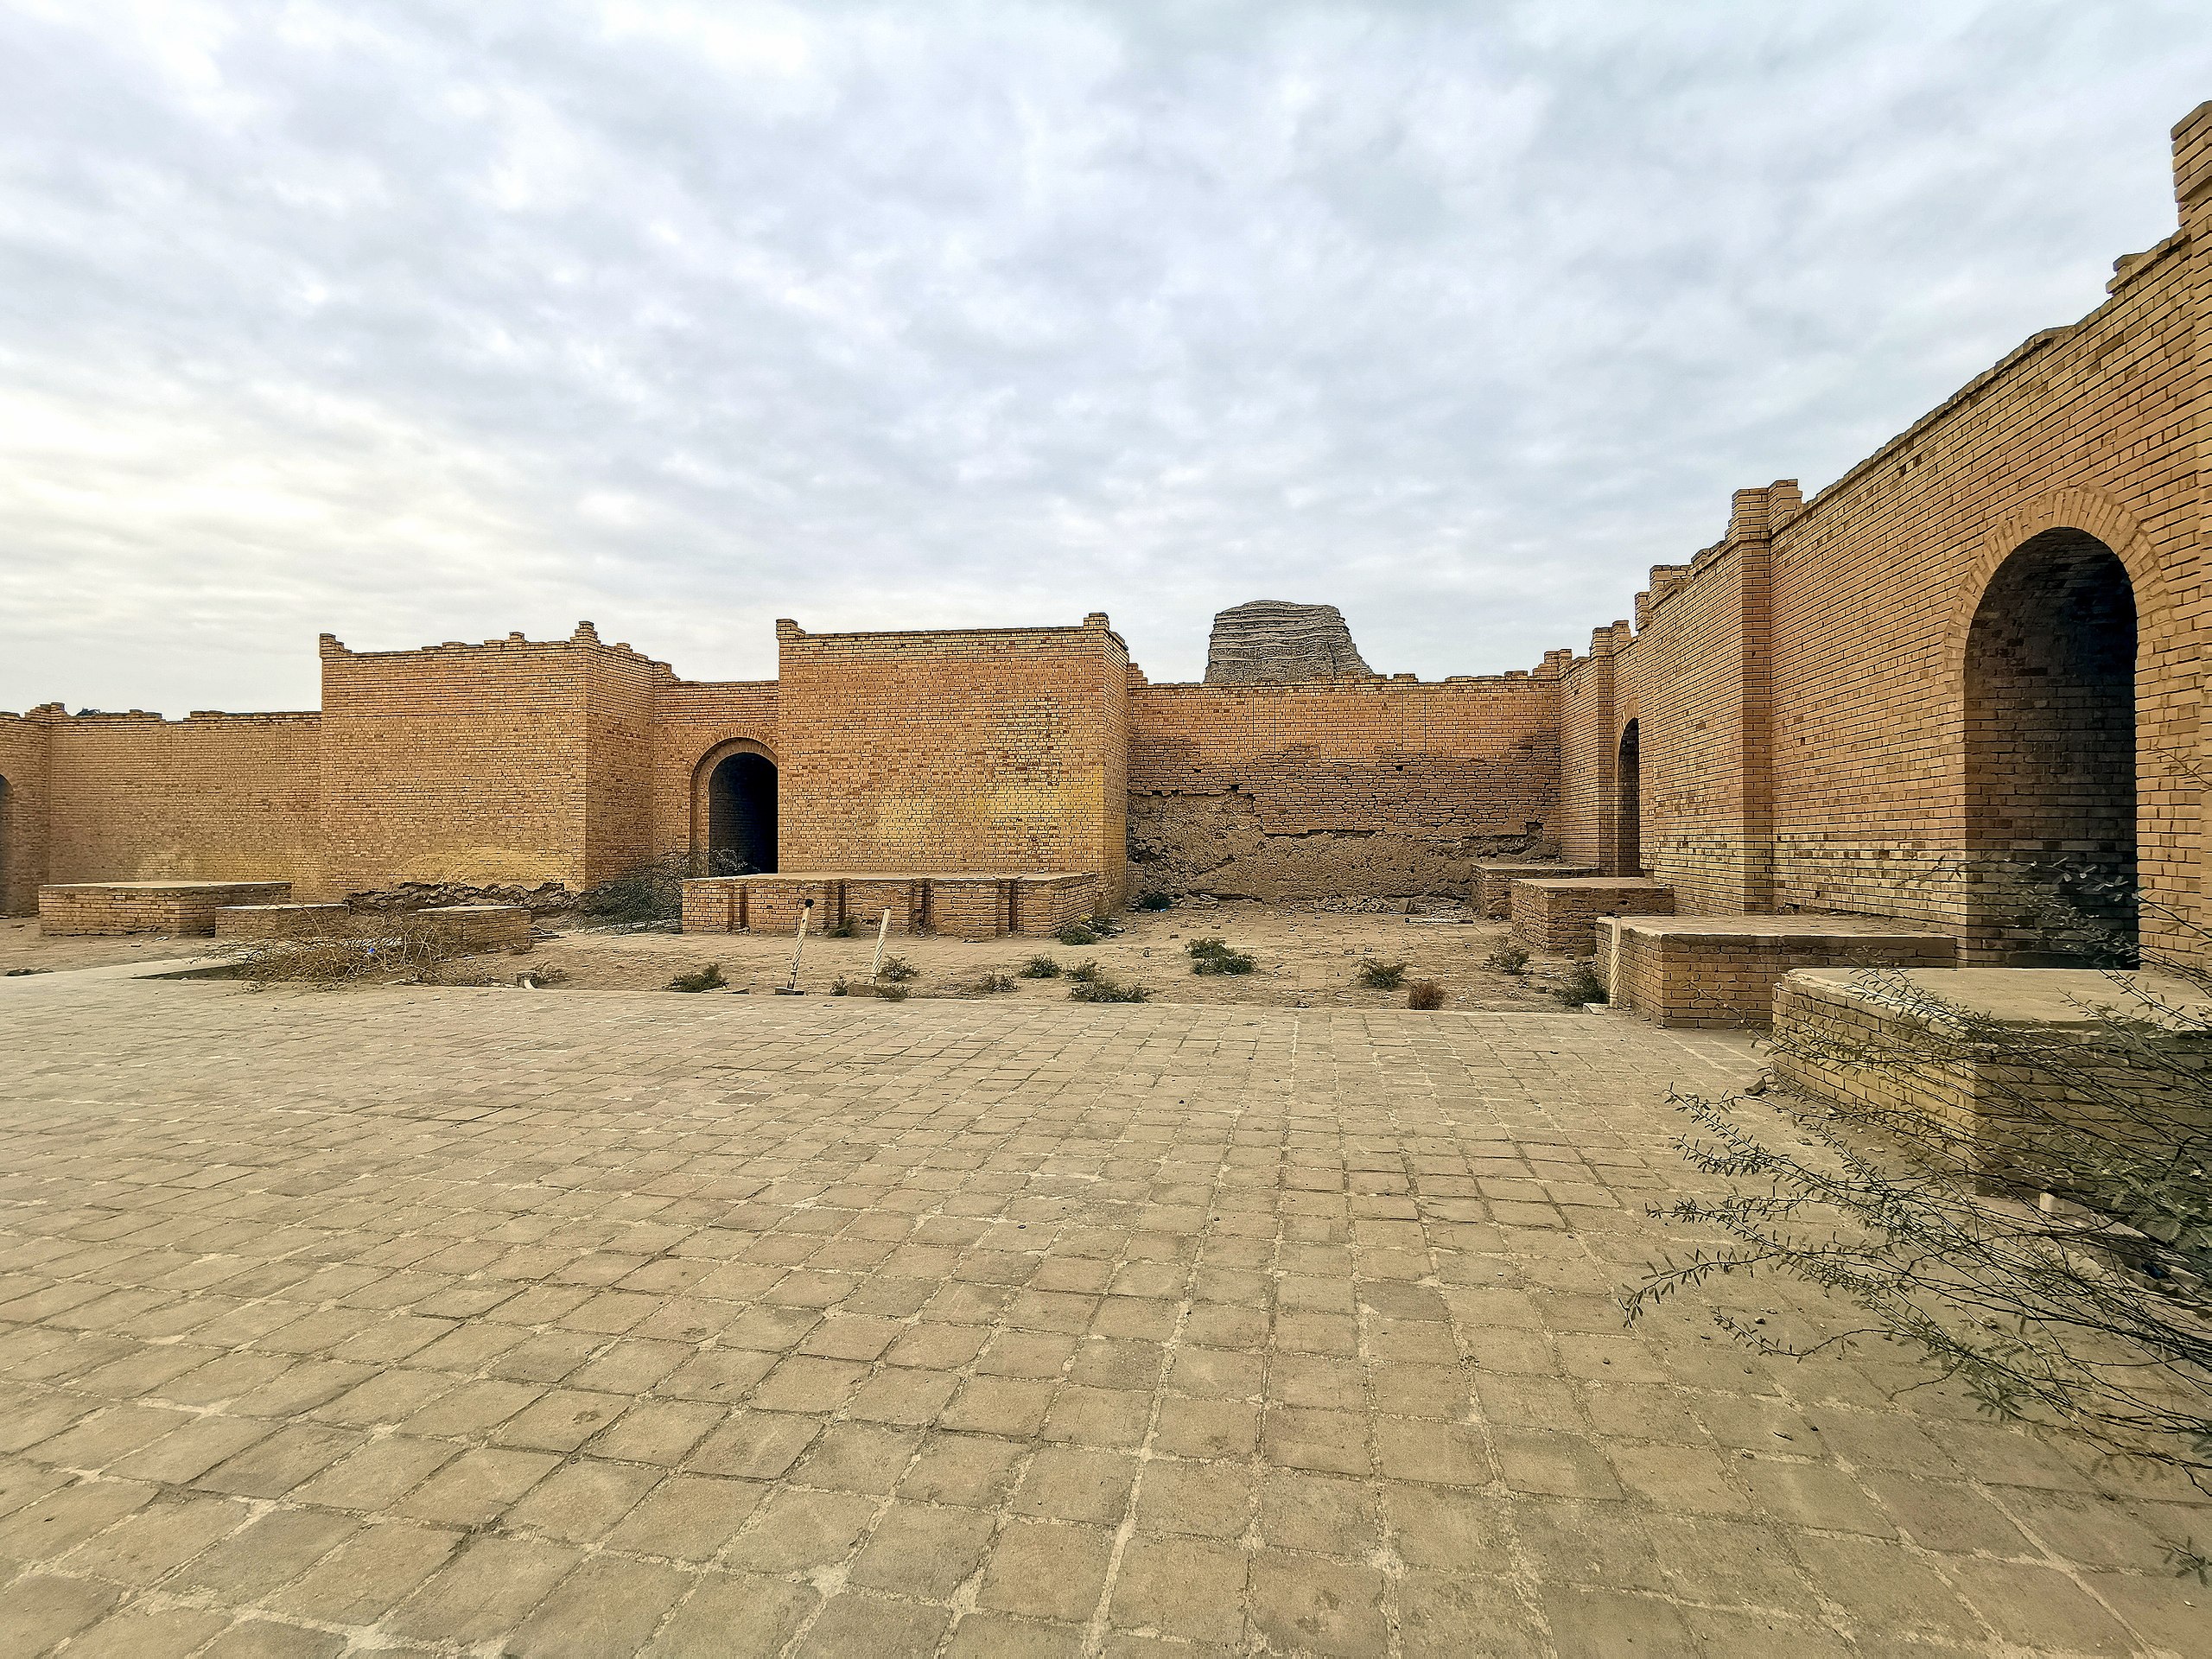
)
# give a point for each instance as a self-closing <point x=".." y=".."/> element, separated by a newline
<point x="1628" y="858"/>
<point x="2050" y="755"/>
<point x="741" y="816"/>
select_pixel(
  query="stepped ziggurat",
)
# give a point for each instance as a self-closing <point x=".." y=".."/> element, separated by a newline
<point x="1974" y="654"/>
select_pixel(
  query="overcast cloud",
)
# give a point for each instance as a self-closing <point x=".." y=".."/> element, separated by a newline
<point x="417" y="322"/>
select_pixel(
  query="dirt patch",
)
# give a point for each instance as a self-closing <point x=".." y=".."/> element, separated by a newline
<point x="1303" y="959"/>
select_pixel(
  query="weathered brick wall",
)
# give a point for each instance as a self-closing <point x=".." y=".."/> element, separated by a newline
<point x="1370" y="786"/>
<point x="997" y="750"/>
<point x="1589" y="745"/>
<point x="516" y="761"/>
<point x="694" y="723"/>
<point x="1559" y="917"/>
<point x="1801" y="692"/>
<point x="24" y="797"/>
<point x="214" y="798"/>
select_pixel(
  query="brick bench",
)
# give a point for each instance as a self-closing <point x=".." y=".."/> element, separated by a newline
<point x="1874" y="1043"/>
<point x="1043" y="905"/>
<point x="283" y="921"/>
<point x="473" y="928"/>
<point x="1494" y="879"/>
<point x="115" y="907"/>
<point x="1722" y="970"/>
<point x="1559" y="918"/>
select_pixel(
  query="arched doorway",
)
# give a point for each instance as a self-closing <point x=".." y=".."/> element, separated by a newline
<point x="2050" y="755"/>
<point x="740" y="816"/>
<point x="1629" y="858"/>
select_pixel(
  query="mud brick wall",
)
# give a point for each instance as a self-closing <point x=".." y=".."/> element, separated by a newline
<point x="1727" y="979"/>
<point x="515" y="761"/>
<point x="983" y="750"/>
<point x="211" y="797"/>
<point x="24" y="807"/>
<point x="1384" y="788"/>
<point x="1558" y="918"/>
<point x="131" y="907"/>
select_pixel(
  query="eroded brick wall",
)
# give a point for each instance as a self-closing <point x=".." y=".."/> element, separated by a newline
<point x="1363" y="787"/>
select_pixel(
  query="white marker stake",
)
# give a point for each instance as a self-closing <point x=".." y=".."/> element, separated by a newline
<point x="882" y="932"/>
<point x="805" y="912"/>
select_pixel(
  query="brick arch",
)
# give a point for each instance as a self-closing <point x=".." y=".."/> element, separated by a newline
<point x="702" y="771"/>
<point x="2075" y="507"/>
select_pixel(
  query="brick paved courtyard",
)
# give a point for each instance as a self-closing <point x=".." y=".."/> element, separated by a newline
<point x="480" y="1321"/>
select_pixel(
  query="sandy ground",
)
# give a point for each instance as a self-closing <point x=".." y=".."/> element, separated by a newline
<point x="1305" y="960"/>
<point x="21" y="945"/>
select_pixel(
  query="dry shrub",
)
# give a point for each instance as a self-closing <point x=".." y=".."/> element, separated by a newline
<point x="708" y="978"/>
<point x="1040" y="968"/>
<point x="1425" y="994"/>
<point x="396" y="954"/>
<point x="1098" y="987"/>
<point x="1382" y="975"/>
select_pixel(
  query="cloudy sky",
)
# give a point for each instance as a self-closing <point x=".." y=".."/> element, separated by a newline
<point x="417" y="322"/>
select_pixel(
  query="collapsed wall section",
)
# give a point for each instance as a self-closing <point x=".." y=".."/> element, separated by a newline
<point x="1357" y="787"/>
<point x="990" y="750"/>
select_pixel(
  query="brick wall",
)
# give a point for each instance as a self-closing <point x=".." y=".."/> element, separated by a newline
<point x="1802" y="688"/>
<point x="515" y="761"/>
<point x="695" y="723"/>
<point x="23" y="797"/>
<point x="211" y="797"/>
<point x="978" y="750"/>
<point x="1363" y="787"/>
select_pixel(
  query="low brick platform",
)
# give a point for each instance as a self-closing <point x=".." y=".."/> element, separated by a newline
<point x="971" y="906"/>
<point x="1875" y="1042"/>
<point x="476" y="927"/>
<point x="1559" y="918"/>
<point x="1721" y="971"/>
<point x="905" y="897"/>
<point x="114" y="907"/>
<point x="283" y="921"/>
<point x="975" y="906"/>
<point x="1043" y="905"/>
<point x="1494" y="879"/>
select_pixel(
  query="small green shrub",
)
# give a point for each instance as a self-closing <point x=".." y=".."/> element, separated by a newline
<point x="1425" y="994"/>
<point x="1084" y="972"/>
<point x="896" y="970"/>
<point x="1040" y="968"/>
<point x="894" y="992"/>
<point x="1218" y="956"/>
<point x="844" y="930"/>
<point x="1076" y="933"/>
<point x="997" y="982"/>
<point x="1507" y="958"/>
<point x="839" y="987"/>
<point x="1382" y="975"/>
<point x="1156" y="901"/>
<point x="1099" y="987"/>
<point x="1580" y="984"/>
<point x="708" y="978"/>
